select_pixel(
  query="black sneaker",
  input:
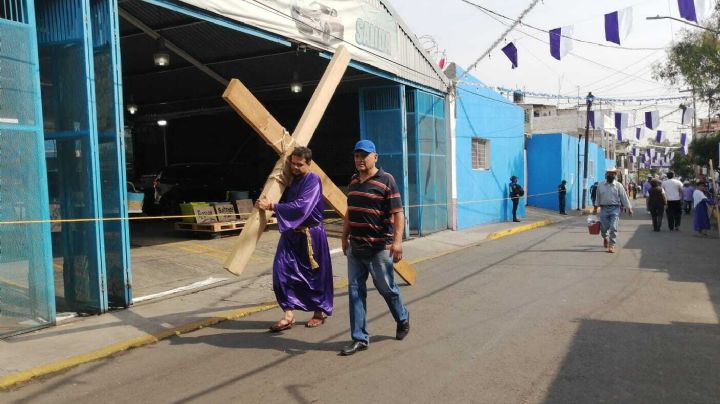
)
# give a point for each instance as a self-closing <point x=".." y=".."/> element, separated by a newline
<point x="403" y="329"/>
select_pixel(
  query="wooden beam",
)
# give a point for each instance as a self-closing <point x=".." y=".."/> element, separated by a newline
<point x="255" y="115"/>
<point x="321" y="97"/>
<point x="275" y="135"/>
<point x="256" y="223"/>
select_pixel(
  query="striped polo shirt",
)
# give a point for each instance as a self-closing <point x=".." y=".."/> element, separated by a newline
<point x="371" y="205"/>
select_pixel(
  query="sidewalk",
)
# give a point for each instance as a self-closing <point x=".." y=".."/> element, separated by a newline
<point x="82" y="340"/>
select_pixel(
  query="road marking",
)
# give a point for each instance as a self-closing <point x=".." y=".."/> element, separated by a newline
<point x="209" y="281"/>
<point x="519" y="229"/>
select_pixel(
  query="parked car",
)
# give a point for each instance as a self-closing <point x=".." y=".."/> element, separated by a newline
<point x="199" y="182"/>
<point x="318" y="18"/>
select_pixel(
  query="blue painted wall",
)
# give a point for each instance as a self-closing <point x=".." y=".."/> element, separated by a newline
<point x="483" y="113"/>
<point x="553" y="158"/>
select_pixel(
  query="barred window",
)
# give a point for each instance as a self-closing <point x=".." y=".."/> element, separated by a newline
<point x="480" y="154"/>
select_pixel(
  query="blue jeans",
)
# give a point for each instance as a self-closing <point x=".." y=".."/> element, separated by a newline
<point x="380" y="266"/>
<point x="609" y="218"/>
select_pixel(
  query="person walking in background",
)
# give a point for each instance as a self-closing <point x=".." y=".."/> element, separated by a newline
<point x="701" y="207"/>
<point x="688" y="190"/>
<point x="516" y="191"/>
<point x="633" y="190"/>
<point x="302" y="270"/>
<point x="562" y="192"/>
<point x="674" y="194"/>
<point x="612" y="199"/>
<point x="646" y="192"/>
<point x="656" y="204"/>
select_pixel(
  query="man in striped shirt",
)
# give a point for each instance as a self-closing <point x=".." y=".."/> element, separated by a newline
<point x="372" y="241"/>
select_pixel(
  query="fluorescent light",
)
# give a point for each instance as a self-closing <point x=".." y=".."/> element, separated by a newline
<point x="132" y="109"/>
<point x="162" y="122"/>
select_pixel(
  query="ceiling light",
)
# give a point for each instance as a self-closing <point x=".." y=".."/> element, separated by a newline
<point x="295" y="85"/>
<point x="132" y="109"/>
<point x="162" y="122"/>
<point x="161" y="57"/>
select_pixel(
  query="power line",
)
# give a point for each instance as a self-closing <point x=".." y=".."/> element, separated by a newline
<point x="497" y="41"/>
<point x="487" y="10"/>
<point x="584" y="58"/>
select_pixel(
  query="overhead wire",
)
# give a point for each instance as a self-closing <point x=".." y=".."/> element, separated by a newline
<point x="581" y="57"/>
<point x="487" y="10"/>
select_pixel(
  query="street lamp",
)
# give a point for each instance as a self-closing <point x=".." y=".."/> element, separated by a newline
<point x="665" y="17"/>
<point x="588" y="100"/>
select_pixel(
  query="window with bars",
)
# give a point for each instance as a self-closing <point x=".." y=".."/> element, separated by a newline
<point x="480" y="154"/>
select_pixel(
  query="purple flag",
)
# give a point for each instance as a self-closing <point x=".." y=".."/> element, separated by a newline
<point x="638" y="133"/>
<point x="652" y="119"/>
<point x="659" y="137"/>
<point x="683" y="138"/>
<point x="618" y="25"/>
<point x="621" y="120"/>
<point x="619" y="135"/>
<point x="560" y="41"/>
<point x="591" y="119"/>
<point x="687" y="10"/>
<point x="511" y="52"/>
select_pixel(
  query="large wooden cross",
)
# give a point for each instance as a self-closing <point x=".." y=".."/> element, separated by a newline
<point x="253" y="112"/>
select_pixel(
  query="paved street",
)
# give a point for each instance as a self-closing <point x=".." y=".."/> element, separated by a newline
<point x="543" y="316"/>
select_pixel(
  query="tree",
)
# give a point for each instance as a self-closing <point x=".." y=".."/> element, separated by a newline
<point x="705" y="148"/>
<point x="695" y="61"/>
<point x="683" y="166"/>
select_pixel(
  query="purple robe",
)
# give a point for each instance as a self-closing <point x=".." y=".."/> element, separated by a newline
<point x="701" y="215"/>
<point x="297" y="286"/>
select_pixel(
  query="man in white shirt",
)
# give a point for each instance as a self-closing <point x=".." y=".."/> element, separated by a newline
<point x="674" y="193"/>
<point x="612" y="199"/>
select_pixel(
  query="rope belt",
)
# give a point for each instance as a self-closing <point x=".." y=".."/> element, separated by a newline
<point x="305" y="229"/>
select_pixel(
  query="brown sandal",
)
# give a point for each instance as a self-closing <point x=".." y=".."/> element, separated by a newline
<point x="316" y="321"/>
<point x="282" y="325"/>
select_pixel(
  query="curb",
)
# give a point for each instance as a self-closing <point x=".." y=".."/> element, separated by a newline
<point x="65" y="364"/>
<point x="519" y="229"/>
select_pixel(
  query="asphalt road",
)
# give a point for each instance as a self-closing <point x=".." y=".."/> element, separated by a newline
<point x="543" y="316"/>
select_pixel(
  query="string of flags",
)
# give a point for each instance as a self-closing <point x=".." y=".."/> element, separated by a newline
<point x="618" y="26"/>
<point x="536" y="94"/>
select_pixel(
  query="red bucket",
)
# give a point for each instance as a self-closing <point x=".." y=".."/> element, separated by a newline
<point x="594" y="227"/>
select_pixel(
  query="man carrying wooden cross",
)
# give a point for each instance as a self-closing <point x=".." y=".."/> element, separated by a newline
<point x="302" y="270"/>
<point x="372" y="240"/>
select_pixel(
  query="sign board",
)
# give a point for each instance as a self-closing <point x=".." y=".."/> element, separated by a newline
<point x="225" y="211"/>
<point x="244" y="207"/>
<point x="375" y="38"/>
<point x="204" y="214"/>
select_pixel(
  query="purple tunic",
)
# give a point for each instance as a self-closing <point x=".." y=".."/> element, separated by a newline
<point x="701" y="217"/>
<point x="297" y="286"/>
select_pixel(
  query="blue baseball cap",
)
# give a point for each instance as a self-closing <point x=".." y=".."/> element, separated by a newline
<point x="366" y="146"/>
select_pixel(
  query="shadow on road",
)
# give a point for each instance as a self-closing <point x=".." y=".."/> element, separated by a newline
<point x="628" y="362"/>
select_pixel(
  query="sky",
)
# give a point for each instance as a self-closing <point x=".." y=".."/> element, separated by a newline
<point x="464" y="32"/>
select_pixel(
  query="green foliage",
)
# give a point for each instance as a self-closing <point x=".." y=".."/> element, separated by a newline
<point x="683" y="166"/>
<point x="694" y="61"/>
<point x="705" y="148"/>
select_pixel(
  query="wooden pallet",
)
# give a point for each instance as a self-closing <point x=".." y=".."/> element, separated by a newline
<point x="217" y="227"/>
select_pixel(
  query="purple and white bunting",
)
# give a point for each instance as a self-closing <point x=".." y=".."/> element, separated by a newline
<point x="639" y="133"/>
<point x="621" y="120"/>
<point x="591" y="119"/>
<point x="512" y="53"/>
<point x="660" y="136"/>
<point x="652" y="119"/>
<point x="688" y="10"/>
<point x="619" y="135"/>
<point x="618" y="25"/>
<point x="561" y="41"/>
<point x="683" y="138"/>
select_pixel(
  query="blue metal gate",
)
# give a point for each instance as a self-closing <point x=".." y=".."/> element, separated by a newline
<point x="108" y="89"/>
<point x="383" y="120"/>
<point x="27" y="298"/>
<point x="427" y="162"/>
<point x="71" y="131"/>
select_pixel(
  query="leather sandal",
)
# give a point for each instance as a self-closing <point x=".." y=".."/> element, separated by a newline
<point x="282" y="325"/>
<point x="316" y="321"/>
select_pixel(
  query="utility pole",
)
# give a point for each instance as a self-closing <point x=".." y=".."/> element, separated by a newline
<point x="588" y="100"/>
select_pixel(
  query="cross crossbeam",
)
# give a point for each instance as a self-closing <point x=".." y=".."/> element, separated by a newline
<point x="277" y="137"/>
